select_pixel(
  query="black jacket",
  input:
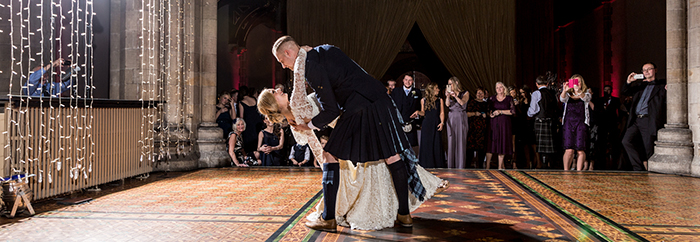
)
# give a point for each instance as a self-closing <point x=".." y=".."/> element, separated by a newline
<point x="406" y="104"/>
<point x="339" y="83"/>
<point x="657" y="101"/>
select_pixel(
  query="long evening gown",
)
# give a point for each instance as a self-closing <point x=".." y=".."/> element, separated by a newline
<point x="366" y="197"/>
<point x="254" y="123"/>
<point x="501" y="127"/>
<point x="476" y="138"/>
<point x="457" y="131"/>
<point x="431" y="154"/>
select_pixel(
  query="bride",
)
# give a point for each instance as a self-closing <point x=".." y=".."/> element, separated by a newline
<point x="366" y="197"/>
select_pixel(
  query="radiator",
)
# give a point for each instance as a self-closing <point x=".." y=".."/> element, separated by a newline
<point x="67" y="136"/>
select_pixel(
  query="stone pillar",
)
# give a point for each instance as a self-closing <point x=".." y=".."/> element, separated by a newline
<point x="673" y="152"/>
<point x="694" y="80"/>
<point x="212" y="148"/>
<point x="125" y="50"/>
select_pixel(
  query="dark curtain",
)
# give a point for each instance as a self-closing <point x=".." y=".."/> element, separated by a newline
<point x="475" y="39"/>
<point x="370" y="32"/>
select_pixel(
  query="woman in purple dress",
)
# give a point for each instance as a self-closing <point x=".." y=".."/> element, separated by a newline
<point x="575" y="120"/>
<point x="501" y="107"/>
<point x="457" y="124"/>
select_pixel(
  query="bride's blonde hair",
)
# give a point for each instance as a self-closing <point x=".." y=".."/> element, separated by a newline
<point x="267" y="105"/>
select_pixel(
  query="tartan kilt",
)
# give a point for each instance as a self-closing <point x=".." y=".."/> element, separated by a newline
<point x="544" y="137"/>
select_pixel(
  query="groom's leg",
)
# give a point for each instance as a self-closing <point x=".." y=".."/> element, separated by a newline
<point x="331" y="180"/>
<point x="399" y="175"/>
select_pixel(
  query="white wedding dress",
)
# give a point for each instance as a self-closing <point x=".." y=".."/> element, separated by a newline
<point x="366" y="196"/>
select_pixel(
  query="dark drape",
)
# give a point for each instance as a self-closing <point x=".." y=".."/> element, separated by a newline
<point x="474" y="39"/>
<point x="370" y="32"/>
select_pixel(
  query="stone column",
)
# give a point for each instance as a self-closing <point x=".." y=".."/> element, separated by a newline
<point x="673" y="152"/>
<point x="125" y="50"/>
<point x="212" y="148"/>
<point x="694" y="80"/>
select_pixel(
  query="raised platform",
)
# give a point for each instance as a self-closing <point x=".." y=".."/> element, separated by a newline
<point x="232" y="204"/>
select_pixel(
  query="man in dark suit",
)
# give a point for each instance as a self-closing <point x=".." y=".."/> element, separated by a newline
<point x="368" y="129"/>
<point x="407" y="100"/>
<point x="610" y="110"/>
<point x="647" y="115"/>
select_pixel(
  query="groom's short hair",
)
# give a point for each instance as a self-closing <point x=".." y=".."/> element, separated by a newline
<point x="281" y="42"/>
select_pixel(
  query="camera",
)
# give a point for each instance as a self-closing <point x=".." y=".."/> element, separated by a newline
<point x="639" y="76"/>
<point x="66" y="63"/>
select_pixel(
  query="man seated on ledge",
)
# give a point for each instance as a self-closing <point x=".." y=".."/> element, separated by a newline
<point x="39" y="84"/>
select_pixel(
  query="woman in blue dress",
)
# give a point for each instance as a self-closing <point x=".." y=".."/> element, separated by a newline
<point x="270" y="144"/>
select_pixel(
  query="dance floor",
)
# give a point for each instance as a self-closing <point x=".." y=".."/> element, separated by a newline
<point x="232" y="204"/>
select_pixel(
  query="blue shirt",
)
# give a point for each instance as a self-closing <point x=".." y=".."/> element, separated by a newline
<point x="643" y="104"/>
<point x="34" y="87"/>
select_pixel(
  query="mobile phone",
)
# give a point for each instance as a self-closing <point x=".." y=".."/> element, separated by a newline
<point x="66" y="63"/>
<point x="639" y="76"/>
<point x="573" y="82"/>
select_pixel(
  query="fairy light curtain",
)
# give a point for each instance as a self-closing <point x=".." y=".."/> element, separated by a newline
<point x="41" y="31"/>
<point x="163" y="89"/>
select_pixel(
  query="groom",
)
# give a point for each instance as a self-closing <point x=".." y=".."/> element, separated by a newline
<point x="369" y="128"/>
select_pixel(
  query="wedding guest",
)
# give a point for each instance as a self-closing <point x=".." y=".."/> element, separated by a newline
<point x="300" y="155"/>
<point x="249" y="113"/>
<point x="223" y="113"/>
<point x="647" y="115"/>
<point x="477" y="111"/>
<point x="526" y="134"/>
<point x="407" y="101"/>
<point x="456" y="99"/>
<point x="390" y="85"/>
<point x="575" y="120"/>
<point x="431" y="154"/>
<point x="270" y="144"/>
<point x="501" y="107"/>
<point x="235" y="149"/>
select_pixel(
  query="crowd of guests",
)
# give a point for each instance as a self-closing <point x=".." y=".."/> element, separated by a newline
<point x="253" y="140"/>
<point x="559" y="125"/>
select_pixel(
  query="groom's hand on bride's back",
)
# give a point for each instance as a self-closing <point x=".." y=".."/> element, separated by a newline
<point x="300" y="127"/>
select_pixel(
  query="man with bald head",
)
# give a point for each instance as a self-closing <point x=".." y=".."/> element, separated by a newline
<point x="369" y="128"/>
<point x="647" y="114"/>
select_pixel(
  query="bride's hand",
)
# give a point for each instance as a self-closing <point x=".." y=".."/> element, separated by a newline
<point x="300" y="127"/>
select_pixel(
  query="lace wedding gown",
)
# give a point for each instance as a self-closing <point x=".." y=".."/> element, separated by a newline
<point x="366" y="196"/>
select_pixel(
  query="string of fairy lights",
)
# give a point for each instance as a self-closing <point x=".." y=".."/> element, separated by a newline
<point x="35" y="40"/>
<point x="42" y="31"/>
<point x="159" y="31"/>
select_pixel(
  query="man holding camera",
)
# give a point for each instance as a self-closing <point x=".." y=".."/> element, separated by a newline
<point x="39" y="84"/>
<point x="647" y="114"/>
